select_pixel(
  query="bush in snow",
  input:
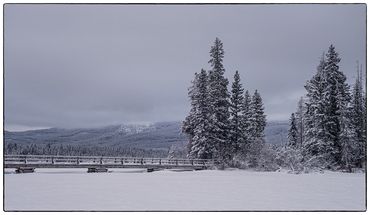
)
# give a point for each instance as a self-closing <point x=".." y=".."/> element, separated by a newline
<point x="267" y="159"/>
<point x="290" y="158"/>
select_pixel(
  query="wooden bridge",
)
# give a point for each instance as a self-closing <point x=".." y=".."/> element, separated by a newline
<point x="91" y="162"/>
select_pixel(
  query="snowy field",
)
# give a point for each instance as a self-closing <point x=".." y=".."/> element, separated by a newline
<point x="135" y="189"/>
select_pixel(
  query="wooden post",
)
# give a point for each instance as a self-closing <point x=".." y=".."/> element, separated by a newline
<point x="142" y="161"/>
<point x="160" y="161"/>
<point x="122" y="161"/>
<point x="101" y="160"/>
<point x="192" y="162"/>
<point x="78" y="160"/>
<point x="52" y="160"/>
<point x="177" y="163"/>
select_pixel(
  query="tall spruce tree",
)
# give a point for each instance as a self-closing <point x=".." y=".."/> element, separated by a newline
<point x="257" y="127"/>
<point x="219" y="104"/>
<point x="349" y="145"/>
<point x="337" y="99"/>
<point x="326" y="120"/>
<point x="246" y="125"/>
<point x="358" y="118"/>
<point x="314" y="142"/>
<point x="258" y="117"/>
<point x="236" y="107"/>
<point x="196" y="123"/>
<point x="293" y="132"/>
<point x="201" y="147"/>
<point x="188" y="125"/>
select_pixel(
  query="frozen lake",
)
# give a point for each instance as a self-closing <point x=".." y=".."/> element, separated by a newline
<point x="135" y="189"/>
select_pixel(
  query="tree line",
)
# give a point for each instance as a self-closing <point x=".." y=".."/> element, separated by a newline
<point x="222" y="125"/>
<point x="328" y="130"/>
<point x="81" y="150"/>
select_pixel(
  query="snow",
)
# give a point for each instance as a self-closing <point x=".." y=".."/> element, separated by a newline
<point x="134" y="128"/>
<point x="135" y="189"/>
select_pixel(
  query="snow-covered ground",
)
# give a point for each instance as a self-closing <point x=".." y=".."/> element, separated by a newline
<point x="135" y="189"/>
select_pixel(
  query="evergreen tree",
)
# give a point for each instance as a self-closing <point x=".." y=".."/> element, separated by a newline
<point x="326" y="119"/>
<point x="246" y="124"/>
<point x="196" y="123"/>
<point x="349" y="144"/>
<point x="314" y="142"/>
<point x="258" y="118"/>
<point x="293" y="132"/>
<point x="188" y="125"/>
<point x="358" y="118"/>
<point x="236" y="106"/>
<point x="219" y="105"/>
<point x="201" y="147"/>
<point x="257" y="127"/>
<point x="337" y="98"/>
<point x="299" y="115"/>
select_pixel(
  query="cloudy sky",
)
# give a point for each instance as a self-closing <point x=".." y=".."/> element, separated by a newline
<point x="95" y="65"/>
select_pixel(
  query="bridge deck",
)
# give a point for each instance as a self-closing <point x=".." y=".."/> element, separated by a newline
<point x="44" y="161"/>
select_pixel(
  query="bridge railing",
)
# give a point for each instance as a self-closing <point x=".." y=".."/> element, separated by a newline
<point x="76" y="160"/>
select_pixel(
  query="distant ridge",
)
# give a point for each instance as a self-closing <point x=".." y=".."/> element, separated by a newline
<point x="160" y="136"/>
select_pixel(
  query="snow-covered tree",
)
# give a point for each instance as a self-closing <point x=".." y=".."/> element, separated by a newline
<point x="293" y="132"/>
<point x="236" y="107"/>
<point x="246" y="125"/>
<point x="218" y="103"/>
<point x="299" y="115"/>
<point x="201" y="147"/>
<point x="337" y="97"/>
<point x="326" y="118"/>
<point x="188" y="125"/>
<point x="358" y="118"/>
<point x="257" y="127"/>
<point x="349" y="148"/>
<point x="258" y="117"/>
<point x="197" y="122"/>
<point x="314" y="140"/>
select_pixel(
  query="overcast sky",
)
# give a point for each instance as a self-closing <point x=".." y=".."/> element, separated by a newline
<point x="95" y="65"/>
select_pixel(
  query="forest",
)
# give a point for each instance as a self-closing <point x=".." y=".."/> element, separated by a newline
<point x="81" y="150"/>
<point x="328" y="130"/>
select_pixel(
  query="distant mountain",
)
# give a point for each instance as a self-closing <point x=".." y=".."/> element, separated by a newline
<point x="276" y="132"/>
<point x="159" y="136"/>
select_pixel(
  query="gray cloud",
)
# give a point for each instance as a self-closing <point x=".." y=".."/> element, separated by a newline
<point x="92" y="65"/>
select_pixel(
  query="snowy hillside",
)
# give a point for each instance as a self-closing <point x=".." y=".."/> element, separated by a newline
<point x="160" y="135"/>
<point x="151" y="136"/>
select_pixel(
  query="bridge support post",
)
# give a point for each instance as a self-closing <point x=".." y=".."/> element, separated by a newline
<point x="24" y="170"/>
<point x="122" y="161"/>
